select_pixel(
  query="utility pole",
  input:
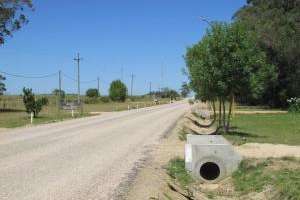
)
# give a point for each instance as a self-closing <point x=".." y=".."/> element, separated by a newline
<point x="132" y="77"/>
<point x="59" y="87"/>
<point x="150" y="88"/>
<point x="122" y="74"/>
<point x="78" y="59"/>
<point x="162" y="77"/>
<point x="98" y="85"/>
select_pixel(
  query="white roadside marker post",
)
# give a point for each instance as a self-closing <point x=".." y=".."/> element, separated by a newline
<point x="31" y="117"/>
<point x="72" y="113"/>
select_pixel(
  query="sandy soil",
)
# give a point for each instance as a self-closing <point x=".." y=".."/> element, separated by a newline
<point x="151" y="181"/>
<point x="256" y="150"/>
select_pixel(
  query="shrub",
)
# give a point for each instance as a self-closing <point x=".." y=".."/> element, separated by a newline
<point x="89" y="100"/>
<point x="32" y="105"/>
<point x="294" y="105"/>
<point x="118" y="91"/>
<point x="105" y="99"/>
<point x="92" y="93"/>
<point x="191" y="101"/>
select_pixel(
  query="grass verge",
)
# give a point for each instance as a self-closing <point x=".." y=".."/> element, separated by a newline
<point x="176" y="170"/>
<point x="265" y="128"/>
<point x="255" y="176"/>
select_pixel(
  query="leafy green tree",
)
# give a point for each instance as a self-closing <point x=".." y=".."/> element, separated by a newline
<point x="226" y="64"/>
<point x="58" y="92"/>
<point x="31" y="104"/>
<point x="118" y="91"/>
<point x="2" y="85"/>
<point x="277" y="25"/>
<point x="12" y="16"/>
<point x="185" y="90"/>
<point x="92" y="93"/>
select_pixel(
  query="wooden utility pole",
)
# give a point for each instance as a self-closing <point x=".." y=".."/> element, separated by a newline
<point x="98" y="85"/>
<point x="78" y="59"/>
<point x="59" y="87"/>
<point x="132" y="77"/>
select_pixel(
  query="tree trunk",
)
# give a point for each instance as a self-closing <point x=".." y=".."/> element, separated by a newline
<point x="214" y="109"/>
<point x="224" y="113"/>
<point x="229" y="114"/>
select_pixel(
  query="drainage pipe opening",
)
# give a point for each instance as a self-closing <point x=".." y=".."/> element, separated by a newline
<point x="210" y="171"/>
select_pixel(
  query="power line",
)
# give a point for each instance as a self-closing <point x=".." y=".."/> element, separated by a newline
<point x="29" y="77"/>
<point x="75" y="80"/>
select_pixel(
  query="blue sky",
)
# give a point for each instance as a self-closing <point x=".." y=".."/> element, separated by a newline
<point x="140" y="36"/>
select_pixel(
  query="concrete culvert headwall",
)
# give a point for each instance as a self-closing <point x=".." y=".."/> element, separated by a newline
<point x="210" y="158"/>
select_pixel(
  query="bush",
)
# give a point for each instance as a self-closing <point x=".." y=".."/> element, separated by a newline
<point x="92" y="93"/>
<point x="191" y="101"/>
<point x="92" y="100"/>
<point x="118" y="91"/>
<point x="294" y="105"/>
<point x="32" y="105"/>
<point x="105" y="99"/>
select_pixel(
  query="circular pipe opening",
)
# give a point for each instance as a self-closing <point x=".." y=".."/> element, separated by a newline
<point x="210" y="171"/>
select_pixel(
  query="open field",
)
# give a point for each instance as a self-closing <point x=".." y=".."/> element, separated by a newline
<point x="12" y="111"/>
<point x="265" y="128"/>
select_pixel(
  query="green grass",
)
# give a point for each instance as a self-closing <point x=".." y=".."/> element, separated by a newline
<point x="12" y="111"/>
<point x="176" y="170"/>
<point x="254" y="177"/>
<point x="21" y="118"/>
<point x="265" y="128"/>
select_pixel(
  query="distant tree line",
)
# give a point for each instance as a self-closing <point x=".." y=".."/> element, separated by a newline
<point x="165" y="93"/>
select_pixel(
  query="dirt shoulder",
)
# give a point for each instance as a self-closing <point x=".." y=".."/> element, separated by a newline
<point x="151" y="181"/>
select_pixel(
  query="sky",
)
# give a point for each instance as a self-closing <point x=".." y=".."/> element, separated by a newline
<point x="142" y="37"/>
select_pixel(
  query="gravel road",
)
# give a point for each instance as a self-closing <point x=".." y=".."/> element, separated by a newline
<point x="87" y="158"/>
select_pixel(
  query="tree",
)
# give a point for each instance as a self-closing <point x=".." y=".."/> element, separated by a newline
<point x="31" y="104"/>
<point x="12" y="16"/>
<point x="60" y="93"/>
<point x="226" y="64"/>
<point x="92" y="93"/>
<point x="118" y="91"/>
<point x="277" y="25"/>
<point x="2" y="85"/>
<point x="185" y="90"/>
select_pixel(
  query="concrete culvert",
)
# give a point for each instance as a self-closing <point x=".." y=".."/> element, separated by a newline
<point x="210" y="171"/>
<point x="210" y="158"/>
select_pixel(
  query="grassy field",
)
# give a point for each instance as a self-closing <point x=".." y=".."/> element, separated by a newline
<point x="266" y="128"/>
<point x="12" y="111"/>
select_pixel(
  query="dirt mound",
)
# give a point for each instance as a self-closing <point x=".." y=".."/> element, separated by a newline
<point x="263" y="150"/>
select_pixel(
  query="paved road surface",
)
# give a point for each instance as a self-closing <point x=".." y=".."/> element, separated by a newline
<point x="85" y="158"/>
